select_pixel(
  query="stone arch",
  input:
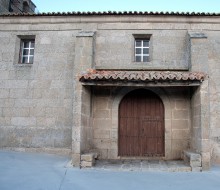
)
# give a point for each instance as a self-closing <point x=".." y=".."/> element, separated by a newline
<point x="161" y="93"/>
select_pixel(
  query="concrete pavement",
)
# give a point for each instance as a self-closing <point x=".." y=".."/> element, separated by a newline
<point x="34" y="171"/>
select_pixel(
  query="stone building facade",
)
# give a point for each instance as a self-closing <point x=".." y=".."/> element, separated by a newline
<point x="64" y="78"/>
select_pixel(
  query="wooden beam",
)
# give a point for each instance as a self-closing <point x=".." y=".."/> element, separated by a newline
<point x="141" y="84"/>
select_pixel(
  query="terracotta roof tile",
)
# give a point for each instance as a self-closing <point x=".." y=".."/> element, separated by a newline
<point x="143" y="76"/>
<point x="111" y="13"/>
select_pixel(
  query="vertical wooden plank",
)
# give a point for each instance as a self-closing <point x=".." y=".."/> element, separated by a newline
<point x="141" y="124"/>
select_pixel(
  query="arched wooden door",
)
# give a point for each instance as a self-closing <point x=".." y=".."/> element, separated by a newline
<point x="141" y="125"/>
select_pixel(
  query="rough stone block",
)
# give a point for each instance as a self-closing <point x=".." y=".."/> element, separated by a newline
<point x="195" y="163"/>
<point x="180" y="144"/>
<point x="20" y="93"/>
<point x="102" y="114"/>
<point x="45" y="40"/>
<point x="101" y="103"/>
<point x="193" y="159"/>
<point x="16" y="112"/>
<point x="46" y="121"/>
<point x="181" y="114"/>
<point x="76" y="145"/>
<point x="76" y="134"/>
<point x="114" y="134"/>
<point x="102" y="153"/>
<point x="96" y="155"/>
<point x="180" y="124"/>
<point x="205" y="145"/>
<point x="102" y="143"/>
<point x="57" y="84"/>
<point x="42" y="84"/>
<point x="23" y="121"/>
<point x="101" y="134"/>
<point x="22" y="103"/>
<point x="85" y="164"/>
<point x="7" y="56"/>
<point x="112" y="154"/>
<point x="114" y="144"/>
<point x="88" y="157"/>
<point x="37" y="111"/>
<point x="4" y="103"/>
<point x="181" y="104"/>
<point x="176" y="154"/>
<point x="4" y="93"/>
<point x="16" y="84"/>
<point x="114" y="122"/>
<point x="193" y="156"/>
<point x="76" y="160"/>
<point x="181" y="134"/>
<point x="102" y="123"/>
<point x="5" y="121"/>
<point x="196" y="169"/>
<point x="206" y="161"/>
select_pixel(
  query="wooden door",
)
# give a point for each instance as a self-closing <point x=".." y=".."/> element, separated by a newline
<point x="141" y="124"/>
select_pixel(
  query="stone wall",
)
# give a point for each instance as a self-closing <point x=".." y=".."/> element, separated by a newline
<point x="36" y="100"/>
<point x="180" y="120"/>
<point x="200" y="98"/>
<point x="214" y="90"/>
<point x="115" y="49"/>
<point x="196" y="120"/>
<point x="82" y="103"/>
<point x="104" y="133"/>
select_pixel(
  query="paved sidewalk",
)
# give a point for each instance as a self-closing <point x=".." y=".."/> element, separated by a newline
<point x="34" y="171"/>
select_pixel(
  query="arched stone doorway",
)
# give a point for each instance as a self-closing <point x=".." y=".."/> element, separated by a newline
<point x="141" y="125"/>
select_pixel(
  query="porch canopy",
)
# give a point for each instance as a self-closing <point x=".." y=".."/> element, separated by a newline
<point x="141" y="78"/>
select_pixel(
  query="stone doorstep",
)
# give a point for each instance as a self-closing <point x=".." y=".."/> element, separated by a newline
<point x="88" y="160"/>
<point x="143" y="165"/>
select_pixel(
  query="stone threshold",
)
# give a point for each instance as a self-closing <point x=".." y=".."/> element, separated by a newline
<point x="142" y="165"/>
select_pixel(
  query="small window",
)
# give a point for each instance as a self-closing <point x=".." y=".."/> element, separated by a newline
<point x="142" y="50"/>
<point x="27" y="51"/>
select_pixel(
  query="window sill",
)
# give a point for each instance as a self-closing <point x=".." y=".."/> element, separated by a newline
<point x="141" y="63"/>
<point x="23" y="64"/>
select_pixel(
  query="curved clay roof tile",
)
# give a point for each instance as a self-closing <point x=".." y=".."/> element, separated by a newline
<point x="141" y="75"/>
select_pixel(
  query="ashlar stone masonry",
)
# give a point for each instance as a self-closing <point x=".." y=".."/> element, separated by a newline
<point x="45" y="106"/>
